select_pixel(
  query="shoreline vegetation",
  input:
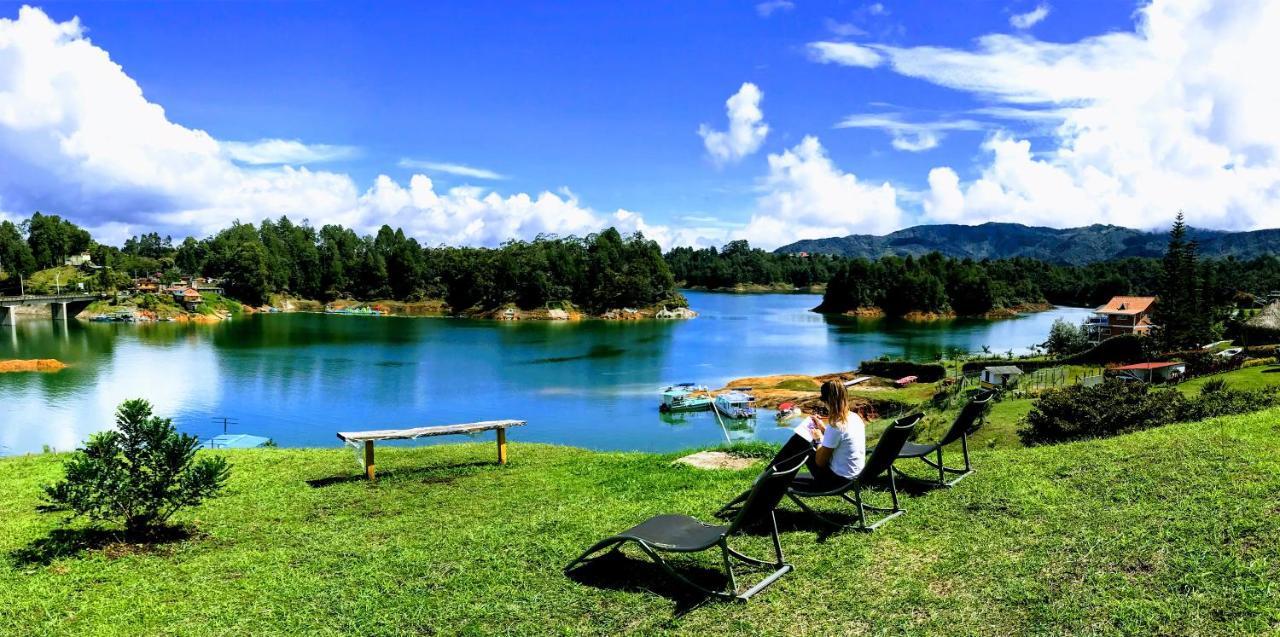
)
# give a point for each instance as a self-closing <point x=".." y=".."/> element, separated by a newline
<point x="993" y="314"/>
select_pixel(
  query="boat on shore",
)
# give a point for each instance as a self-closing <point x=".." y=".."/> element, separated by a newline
<point x="684" y="397"/>
<point x="736" y="404"/>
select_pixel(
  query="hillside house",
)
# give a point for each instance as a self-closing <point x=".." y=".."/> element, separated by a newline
<point x="189" y="298"/>
<point x="1121" y="315"/>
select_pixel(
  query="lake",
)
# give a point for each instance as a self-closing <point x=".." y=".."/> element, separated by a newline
<point x="299" y="378"/>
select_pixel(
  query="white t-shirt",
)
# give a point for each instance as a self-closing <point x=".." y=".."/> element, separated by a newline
<point x="849" y="446"/>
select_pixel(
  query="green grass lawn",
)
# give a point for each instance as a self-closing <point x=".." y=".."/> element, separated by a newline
<point x="1171" y="531"/>
<point x="1246" y="378"/>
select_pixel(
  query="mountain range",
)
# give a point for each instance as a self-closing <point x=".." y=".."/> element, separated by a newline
<point x="1058" y="245"/>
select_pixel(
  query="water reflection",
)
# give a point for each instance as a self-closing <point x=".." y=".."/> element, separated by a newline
<point x="299" y="378"/>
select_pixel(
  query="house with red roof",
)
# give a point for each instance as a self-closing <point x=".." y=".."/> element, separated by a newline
<point x="1152" y="372"/>
<point x="1121" y="315"/>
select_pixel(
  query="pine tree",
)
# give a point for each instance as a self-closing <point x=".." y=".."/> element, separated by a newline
<point x="1181" y="316"/>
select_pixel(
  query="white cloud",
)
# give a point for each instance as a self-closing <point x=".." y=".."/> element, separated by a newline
<point x="1171" y="116"/>
<point x="460" y="170"/>
<point x="877" y="9"/>
<point x="747" y="129"/>
<point x="285" y="151"/>
<point x="1030" y="18"/>
<point x="78" y="138"/>
<point x="844" y="54"/>
<point x="766" y="9"/>
<point x="806" y="196"/>
<point x="842" y="29"/>
<point x="908" y="136"/>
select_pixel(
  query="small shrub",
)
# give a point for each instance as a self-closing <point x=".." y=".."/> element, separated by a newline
<point x="138" y="475"/>
<point x="1213" y="386"/>
<point x="1106" y="409"/>
<point x="1259" y="362"/>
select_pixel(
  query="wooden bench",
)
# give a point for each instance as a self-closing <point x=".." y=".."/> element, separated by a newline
<point x="367" y="438"/>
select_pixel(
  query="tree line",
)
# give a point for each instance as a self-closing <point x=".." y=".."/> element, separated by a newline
<point x="737" y="263"/>
<point x="598" y="272"/>
<point x="607" y="271"/>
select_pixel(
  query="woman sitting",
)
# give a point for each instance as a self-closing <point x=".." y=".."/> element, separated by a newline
<point x="841" y="441"/>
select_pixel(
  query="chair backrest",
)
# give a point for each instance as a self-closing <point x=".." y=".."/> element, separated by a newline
<point x="769" y="489"/>
<point x="968" y="417"/>
<point x="888" y="447"/>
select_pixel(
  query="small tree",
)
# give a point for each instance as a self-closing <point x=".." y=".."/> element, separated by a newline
<point x="1066" y="338"/>
<point x="139" y="475"/>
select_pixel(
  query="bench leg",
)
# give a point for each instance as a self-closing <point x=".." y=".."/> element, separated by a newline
<point x="368" y="460"/>
<point x="502" y="446"/>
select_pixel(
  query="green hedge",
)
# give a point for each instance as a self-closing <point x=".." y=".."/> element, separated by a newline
<point x="924" y="372"/>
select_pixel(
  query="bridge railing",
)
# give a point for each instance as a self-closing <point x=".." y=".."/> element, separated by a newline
<point x="51" y="297"/>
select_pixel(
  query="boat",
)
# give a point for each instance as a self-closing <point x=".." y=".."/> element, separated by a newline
<point x="904" y="381"/>
<point x="787" y="411"/>
<point x="857" y="381"/>
<point x="684" y="397"/>
<point x="735" y="403"/>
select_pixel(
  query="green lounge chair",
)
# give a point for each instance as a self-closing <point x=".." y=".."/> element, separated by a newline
<point x="880" y="462"/>
<point x="968" y="421"/>
<point x="684" y="534"/>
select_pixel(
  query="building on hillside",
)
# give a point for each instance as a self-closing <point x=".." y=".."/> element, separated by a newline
<point x="1121" y="315"/>
<point x="1152" y="372"/>
<point x="1000" y="376"/>
<point x="189" y="298"/>
<point x="79" y="260"/>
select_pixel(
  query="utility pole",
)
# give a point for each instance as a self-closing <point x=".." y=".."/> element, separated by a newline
<point x="225" y="422"/>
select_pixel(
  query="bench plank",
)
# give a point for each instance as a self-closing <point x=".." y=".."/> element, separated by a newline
<point x="423" y="432"/>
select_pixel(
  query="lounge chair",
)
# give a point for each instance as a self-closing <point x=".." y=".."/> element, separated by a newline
<point x="968" y="421"/>
<point x="684" y="534"/>
<point x="880" y="462"/>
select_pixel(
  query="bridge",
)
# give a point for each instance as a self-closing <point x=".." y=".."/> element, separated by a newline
<point x="64" y="306"/>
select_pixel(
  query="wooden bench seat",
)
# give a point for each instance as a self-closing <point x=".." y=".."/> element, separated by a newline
<point x="367" y="438"/>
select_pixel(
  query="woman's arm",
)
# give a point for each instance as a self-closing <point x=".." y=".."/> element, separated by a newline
<point x="823" y="456"/>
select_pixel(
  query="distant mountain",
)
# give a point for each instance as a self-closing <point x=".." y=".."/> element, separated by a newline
<point x="1059" y="245"/>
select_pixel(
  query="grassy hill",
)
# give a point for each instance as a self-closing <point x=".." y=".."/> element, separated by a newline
<point x="1057" y="245"/>
<point x="1170" y="531"/>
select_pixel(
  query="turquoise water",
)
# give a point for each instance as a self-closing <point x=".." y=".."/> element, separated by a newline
<point x="300" y="378"/>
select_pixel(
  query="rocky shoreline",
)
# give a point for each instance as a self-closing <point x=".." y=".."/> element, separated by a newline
<point x="926" y="317"/>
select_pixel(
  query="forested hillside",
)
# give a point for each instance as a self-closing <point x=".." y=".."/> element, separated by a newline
<point x="1074" y="246"/>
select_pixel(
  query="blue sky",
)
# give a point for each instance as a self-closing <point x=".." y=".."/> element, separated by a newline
<point x="606" y="100"/>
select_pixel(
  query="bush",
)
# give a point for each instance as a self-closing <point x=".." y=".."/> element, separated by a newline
<point x="1258" y="362"/>
<point x="924" y="372"/>
<point x="1201" y="363"/>
<point x="1127" y="348"/>
<point x="139" y="475"/>
<point x="1106" y="409"/>
<point x="1221" y="401"/>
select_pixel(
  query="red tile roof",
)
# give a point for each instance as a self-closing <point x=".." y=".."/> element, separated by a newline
<point x="1127" y="305"/>
<point x="1146" y="366"/>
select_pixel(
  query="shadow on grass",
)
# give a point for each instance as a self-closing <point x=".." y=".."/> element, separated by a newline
<point x="618" y="571"/>
<point x="440" y="474"/>
<point x="60" y="543"/>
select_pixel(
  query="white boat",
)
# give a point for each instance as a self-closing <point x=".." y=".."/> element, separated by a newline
<point x="856" y="381"/>
<point x="684" y="397"/>
<point x="735" y="403"/>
